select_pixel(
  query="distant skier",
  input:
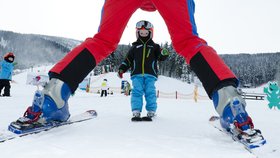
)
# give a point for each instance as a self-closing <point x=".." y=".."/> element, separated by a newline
<point x="104" y="88"/>
<point x="39" y="80"/>
<point x="218" y="80"/>
<point x="6" y="72"/>
<point x="142" y="59"/>
<point x="127" y="88"/>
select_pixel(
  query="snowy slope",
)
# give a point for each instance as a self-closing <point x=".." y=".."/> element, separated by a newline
<point x="181" y="129"/>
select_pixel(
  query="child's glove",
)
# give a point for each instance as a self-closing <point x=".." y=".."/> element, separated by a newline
<point x="120" y="73"/>
<point x="164" y="52"/>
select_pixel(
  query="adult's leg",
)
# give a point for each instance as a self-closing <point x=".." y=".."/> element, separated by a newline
<point x="76" y="65"/>
<point x="203" y="59"/>
<point x="218" y="80"/>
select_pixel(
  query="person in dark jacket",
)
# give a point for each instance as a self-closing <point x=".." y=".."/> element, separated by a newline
<point x="6" y="71"/>
<point x="142" y="58"/>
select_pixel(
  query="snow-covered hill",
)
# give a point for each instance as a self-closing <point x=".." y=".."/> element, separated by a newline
<point x="181" y="129"/>
<point x="34" y="49"/>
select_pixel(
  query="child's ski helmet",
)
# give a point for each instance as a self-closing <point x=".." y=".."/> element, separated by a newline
<point x="143" y="24"/>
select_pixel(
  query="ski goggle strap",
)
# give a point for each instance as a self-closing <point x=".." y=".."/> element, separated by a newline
<point x="144" y="24"/>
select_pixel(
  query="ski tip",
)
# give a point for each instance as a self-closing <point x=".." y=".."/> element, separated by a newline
<point x="214" y="118"/>
<point x="260" y="144"/>
<point x="14" y="130"/>
<point x="92" y="112"/>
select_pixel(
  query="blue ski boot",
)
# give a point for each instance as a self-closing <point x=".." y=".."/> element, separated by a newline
<point x="49" y="105"/>
<point x="230" y="106"/>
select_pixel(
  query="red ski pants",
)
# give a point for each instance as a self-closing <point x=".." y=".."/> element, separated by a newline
<point x="179" y="18"/>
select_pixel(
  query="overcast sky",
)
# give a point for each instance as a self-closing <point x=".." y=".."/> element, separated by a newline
<point x="230" y="26"/>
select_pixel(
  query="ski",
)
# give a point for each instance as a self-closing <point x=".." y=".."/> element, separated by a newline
<point x="255" y="145"/>
<point x="14" y="131"/>
<point x="146" y="118"/>
<point x="136" y="119"/>
<point x="141" y="119"/>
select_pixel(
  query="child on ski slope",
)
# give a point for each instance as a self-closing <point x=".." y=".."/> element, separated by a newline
<point x="142" y="59"/>
<point x="6" y="71"/>
<point x="218" y="80"/>
<point x="104" y="88"/>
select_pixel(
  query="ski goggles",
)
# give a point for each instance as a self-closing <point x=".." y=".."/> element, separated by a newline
<point x="144" y="24"/>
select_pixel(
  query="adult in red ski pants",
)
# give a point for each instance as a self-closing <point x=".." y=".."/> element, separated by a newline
<point x="179" y="18"/>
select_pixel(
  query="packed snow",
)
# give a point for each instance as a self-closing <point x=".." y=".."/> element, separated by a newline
<point x="180" y="130"/>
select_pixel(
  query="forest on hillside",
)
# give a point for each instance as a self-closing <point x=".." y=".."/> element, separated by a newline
<point x="32" y="50"/>
<point x="251" y="69"/>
